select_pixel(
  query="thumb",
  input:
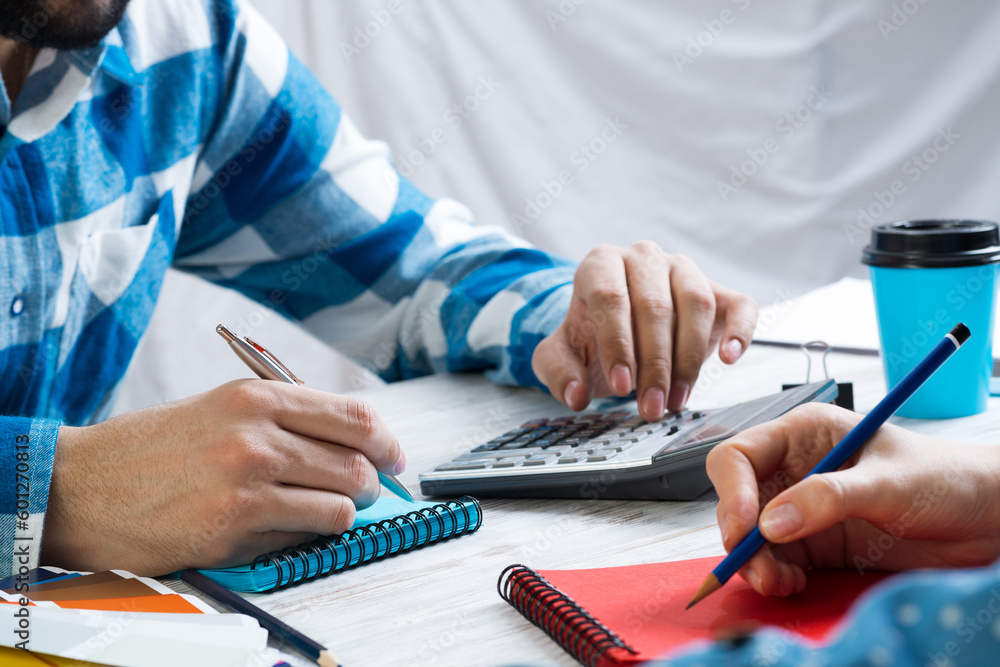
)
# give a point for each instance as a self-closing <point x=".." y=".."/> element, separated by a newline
<point x="558" y="366"/>
<point x="820" y="502"/>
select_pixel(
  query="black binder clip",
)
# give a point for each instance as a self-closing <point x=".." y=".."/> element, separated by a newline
<point x="845" y="390"/>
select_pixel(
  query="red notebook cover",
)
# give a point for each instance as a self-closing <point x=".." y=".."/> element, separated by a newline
<point x="628" y="615"/>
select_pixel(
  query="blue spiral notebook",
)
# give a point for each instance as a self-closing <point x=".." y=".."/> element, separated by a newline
<point x="388" y="527"/>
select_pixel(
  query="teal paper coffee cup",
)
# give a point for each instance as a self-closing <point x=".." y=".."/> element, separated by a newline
<point x="927" y="276"/>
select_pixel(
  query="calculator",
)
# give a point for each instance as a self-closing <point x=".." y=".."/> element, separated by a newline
<point x="609" y="454"/>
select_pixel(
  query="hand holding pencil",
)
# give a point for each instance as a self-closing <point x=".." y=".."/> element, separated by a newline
<point x="903" y="501"/>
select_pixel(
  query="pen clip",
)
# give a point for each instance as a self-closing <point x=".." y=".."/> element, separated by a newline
<point x="264" y="352"/>
<point x="257" y="357"/>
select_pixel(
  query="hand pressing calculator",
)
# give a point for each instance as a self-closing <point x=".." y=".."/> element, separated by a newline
<point x="612" y="454"/>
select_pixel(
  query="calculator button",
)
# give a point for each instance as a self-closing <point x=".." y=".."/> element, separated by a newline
<point x="504" y="464"/>
<point x="534" y="422"/>
<point x="533" y="462"/>
<point x="570" y="459"/>
<point x="561" y="420"/>
<point x="572" y="442"/>
<point x="487" y="447"/>
<point x="526" y="451"/>
<point x="464" y="465"/>
<point x="594" y="458"/>
<point x="475" y="456"/>
<point x="513" y="444"/>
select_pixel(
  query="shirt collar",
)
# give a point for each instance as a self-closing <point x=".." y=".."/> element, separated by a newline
<point x="110" y="56"/>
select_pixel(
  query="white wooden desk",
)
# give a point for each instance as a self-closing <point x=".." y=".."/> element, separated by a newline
<point x="439" y="605"/>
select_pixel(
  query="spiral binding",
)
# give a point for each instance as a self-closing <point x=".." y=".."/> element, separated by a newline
<point x="580" y="634"/>
<point x="296" y="558"/>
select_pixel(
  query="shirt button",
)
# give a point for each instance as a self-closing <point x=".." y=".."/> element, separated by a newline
<point x="17" y="305"/>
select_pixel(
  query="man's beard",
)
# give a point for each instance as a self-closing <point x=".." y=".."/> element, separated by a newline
<point x="59" y="24"/>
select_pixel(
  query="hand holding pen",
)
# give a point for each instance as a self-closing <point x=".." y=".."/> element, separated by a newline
<point x="267" y="367"/>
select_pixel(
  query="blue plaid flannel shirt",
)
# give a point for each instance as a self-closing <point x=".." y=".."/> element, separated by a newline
<point x="191" y="137"/>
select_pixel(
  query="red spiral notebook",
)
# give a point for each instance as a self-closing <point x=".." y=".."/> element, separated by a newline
<point x="628" y="615"/>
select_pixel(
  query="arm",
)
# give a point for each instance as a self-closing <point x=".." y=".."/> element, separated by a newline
<point x="293" y="207"/>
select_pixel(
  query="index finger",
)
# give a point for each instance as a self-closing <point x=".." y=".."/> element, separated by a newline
<point x="341" y="420"/>
<point x="602" y="284"/>
<point x="780" y="451"/>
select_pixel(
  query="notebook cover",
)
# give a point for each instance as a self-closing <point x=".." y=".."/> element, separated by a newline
<point x="642" y="606"/>
<point x="388" y="527"/>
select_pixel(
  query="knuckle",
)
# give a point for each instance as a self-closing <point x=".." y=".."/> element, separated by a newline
<point x="647" y="246"/>
<point x="655" y="369"/>
<point x="828" y="496"/>
<point x="604" y="251"/>
<point x="342" y="515"/>
<point x="250" y="457"/>
<point x="688" y="363"/>
<point x="617" y="347"/>
<point x="362" y="418"/>
<point x="250" y="397"/>
<point x="679" y="259"/>
<point x="358" y="473"/>
<point x="813" y="412"/>
<point x="701" y="301"/>
<point x="657" y="306"/>
<point x="609" y="296"/>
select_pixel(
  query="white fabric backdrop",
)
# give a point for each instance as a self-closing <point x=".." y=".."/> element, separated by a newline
<point x="748" y="134"/>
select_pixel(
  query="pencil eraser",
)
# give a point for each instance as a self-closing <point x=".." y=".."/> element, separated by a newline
<point x="961" y="333"/>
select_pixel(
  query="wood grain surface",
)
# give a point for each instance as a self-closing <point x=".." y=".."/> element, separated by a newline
<point x="439" y="605"/>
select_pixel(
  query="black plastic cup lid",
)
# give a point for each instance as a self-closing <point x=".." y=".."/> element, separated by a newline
<point x="921" y="244"/>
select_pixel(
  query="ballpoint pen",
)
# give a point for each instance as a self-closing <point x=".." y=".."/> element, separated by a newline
<point x="267" y="367"/>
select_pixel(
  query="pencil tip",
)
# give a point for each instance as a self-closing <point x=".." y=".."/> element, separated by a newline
<point x="328" y="659"/>
<point x="709" y="586"/>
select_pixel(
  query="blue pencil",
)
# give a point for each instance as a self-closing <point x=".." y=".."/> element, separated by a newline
<point x="837" y="456"/>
